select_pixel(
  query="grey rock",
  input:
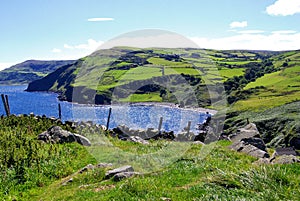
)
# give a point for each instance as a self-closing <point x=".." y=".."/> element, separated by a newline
<point x="257" y="142"/>
<point x="82" y="140"/>
<point x="138" y="139"/>
<point x="124" y="175"/>
<point x="249" y="149"/>
<point x="151" y="132"/>
<point x="104" y="165"/>
<point x="285" y="159"/>
<point x="109" y="174"/>
<point x="56" y="134"/>
<point x="67" y="181"/>
<point x="86" y="168"/>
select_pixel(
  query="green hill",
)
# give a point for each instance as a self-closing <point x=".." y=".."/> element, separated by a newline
<point x="28" y="71"/>
<point x="255" y="84"/>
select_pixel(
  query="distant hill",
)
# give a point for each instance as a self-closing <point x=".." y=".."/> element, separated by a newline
<point x="30" y="70"/>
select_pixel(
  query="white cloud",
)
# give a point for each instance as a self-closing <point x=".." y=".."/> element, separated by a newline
<point x="238" y="24"/>
<point x="284" y="7"/>
<point x="90" y="45"/>
<point x="251" y="32"/>
<point x="100" y="19"/>
<point x="259" y="41"/>
<point x="74" y="51"/>
<point x="56" y="50"/>
<point x="284" y="32"/>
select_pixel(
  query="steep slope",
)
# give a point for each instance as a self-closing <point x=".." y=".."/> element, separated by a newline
<point x="29" y="71"/>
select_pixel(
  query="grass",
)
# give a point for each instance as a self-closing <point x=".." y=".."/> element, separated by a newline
<point x="150" y="97"/>
<point x="229" y="73"/>
<point x="194" y="172"/>
<point x="280" y="88"/>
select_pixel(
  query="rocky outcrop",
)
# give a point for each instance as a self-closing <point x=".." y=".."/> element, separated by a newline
<point x="56" y="134"/>
<point x="247" y="140"/>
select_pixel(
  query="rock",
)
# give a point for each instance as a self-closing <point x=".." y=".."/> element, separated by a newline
<point x="151" y="132"/>
<point x="109" y="174"/>
<point x="138" y="139"/>
<point x="249" y="131"/>
<point x="285" y="159"/>
<point x="67" y="181"/>
<point x="166" y="199"/>
<point x="86" y="168"/>
<point x="198" y="142"/>
<point x="124" y="175"/>
<point x="249" y="149"/>
<point x="104" y="165"/>
<point x="56" y="134"/>
<point x="257" y="142"/>
<point x="82" y="140"/>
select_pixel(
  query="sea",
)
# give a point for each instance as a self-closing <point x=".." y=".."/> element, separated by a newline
<point x="136" y="116"/>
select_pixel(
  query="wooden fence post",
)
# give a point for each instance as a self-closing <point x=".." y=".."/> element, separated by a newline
<point x="188" y="127"/>
<point x="160" y="123"/>
<point x="108" y="118"/>
<point x="59" y="111"/>
<point x="5" y="104"/>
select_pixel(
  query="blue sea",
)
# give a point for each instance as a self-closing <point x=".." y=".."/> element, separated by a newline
<point x="134" y="116"/>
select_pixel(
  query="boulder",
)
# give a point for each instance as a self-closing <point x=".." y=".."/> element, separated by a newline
<point x="138" y="139"/>
<point x="109" y="174"/>
<point x="257" y="142"/>
<point x="249" y="149"/>
<point x="249" y="131"/>
<point x="124" y="175"/>
<point x="285" y="159"/>
<point x="56" y="134"/>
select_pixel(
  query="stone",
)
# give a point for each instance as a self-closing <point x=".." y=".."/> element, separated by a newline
<point x="138" y="139"/>
<point x="124" y="175"/>
<point x="82" y="140"/>
<point x="151" y="132"/>
<point x="249" y="149"/>
<point x="67" y="181"/>
<point x="285" y="159"/>
<point x="56" y="134"/>
<point x="104" y="165"/>
<point x="249" y="131"/>
<point x="198" y="142"/>
<point x="109" y="174"/>
<point x="257" y="142"/>
<point x="86" y="168"/>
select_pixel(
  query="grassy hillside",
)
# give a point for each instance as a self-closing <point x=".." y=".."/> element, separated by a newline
<point x="252" y="83"/>
<point x="125" y="69"/>
<point x="36" y="171"/>
<point x="29" y="71"/>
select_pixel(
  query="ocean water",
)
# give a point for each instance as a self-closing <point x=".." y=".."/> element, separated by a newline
<point x="134" y="116"/>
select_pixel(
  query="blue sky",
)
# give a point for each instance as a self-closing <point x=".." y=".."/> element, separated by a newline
<point x="68" y="29"/>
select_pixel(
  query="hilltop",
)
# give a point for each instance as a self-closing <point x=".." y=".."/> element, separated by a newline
<point x="30" y="70"/>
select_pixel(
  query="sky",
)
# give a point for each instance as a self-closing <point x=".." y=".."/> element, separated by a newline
<point x="69" y="29"/>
